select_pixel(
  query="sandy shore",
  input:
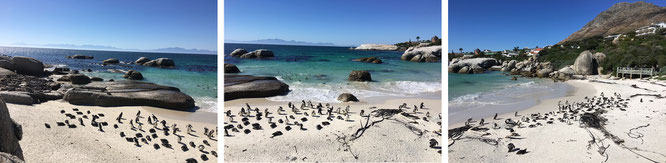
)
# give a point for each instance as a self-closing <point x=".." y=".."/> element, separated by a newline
<point x="395" y="138"/>
<point x="621" y="139"/>
<point x="88" y="144"/>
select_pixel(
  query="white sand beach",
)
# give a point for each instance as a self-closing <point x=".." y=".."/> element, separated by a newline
<point x="397" y="138"/>
<point x="630" y="134"/>
<point x="88" y="144"/>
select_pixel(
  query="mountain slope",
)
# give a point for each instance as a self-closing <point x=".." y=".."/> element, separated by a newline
<point x="621" y="18"/>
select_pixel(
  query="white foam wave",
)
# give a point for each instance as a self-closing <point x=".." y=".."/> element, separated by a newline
<point x="207" y="104"/>
<point x="329" y="92"/>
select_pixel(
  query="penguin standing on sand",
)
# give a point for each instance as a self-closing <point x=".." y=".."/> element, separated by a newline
<point x="120" y="118"/>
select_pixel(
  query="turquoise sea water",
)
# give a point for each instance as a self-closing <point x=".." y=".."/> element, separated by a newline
<point x="483" y="95"/>
<point x="319" y="73"/>
<point x="194" y="74"/>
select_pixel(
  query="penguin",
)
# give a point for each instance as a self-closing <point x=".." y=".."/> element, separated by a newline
<point x="120" y="118"/>
<point x="495" y="117"/>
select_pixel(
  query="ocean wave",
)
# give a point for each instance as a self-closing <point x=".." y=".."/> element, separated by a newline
<point x="329" y="92"/>
<point x="207" y="104"/>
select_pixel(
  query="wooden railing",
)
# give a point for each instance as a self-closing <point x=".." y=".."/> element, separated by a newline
<point x="621" y="71"/>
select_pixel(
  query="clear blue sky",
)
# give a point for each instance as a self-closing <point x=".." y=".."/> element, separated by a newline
<point x="127" y="24"/>
<point x="499" y="25"/>
<point x="341" y="22"/>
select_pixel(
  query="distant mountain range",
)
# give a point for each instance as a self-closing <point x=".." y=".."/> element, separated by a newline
<point x="101" y="47"/>
<point x="621" y="18"/>
<point x="277" y="41"/>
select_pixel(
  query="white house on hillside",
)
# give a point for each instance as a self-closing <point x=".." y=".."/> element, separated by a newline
<point x="651" y="29"/>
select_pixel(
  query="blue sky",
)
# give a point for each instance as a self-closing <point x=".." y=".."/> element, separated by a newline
<point x="498" y="25"/>
<point x="341" y="22"/>
<point x="127" y="24"/>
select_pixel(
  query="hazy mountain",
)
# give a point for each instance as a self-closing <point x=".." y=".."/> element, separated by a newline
<point x="101" y="47"/>
<point x="277" y="41"/>
<point x="622" y="17"/>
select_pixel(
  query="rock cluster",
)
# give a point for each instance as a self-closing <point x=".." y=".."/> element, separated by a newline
<point x="259" y="53"/>
<point x="586" y="64"/>
<point x="159" y="62"/>
<point x="528" y="68"/>
<point x="22" y="65"/>
<point x="110" y="61"/>
<point x="369" y="60"/>
<point x="133" y="75"/>
<point x="79" y="56"/>
<point x="474" y="65"/>
<point x="423" y="54"/>
<point x="376" y="47"/>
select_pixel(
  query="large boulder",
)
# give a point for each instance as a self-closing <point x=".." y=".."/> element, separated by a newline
<point x="238" y="52"/>
<point x="423" y="54"/>
<point x="484" y="63"/>
<point x="230" y="68"/>
<point x="79" y="79"/>
<point x="585" y="64"/>
<point x="376" y="47"/>
<point x="260" y="53"/>
<point x="79" y="56"/>
<point x="246" y="86"/>
<point x="165" y="62"/>
<point x="10" y="133"/>
<point x="141" y="60"/>
<point x="346" y="97"/>
<point x="133" y="75"/>
<point x="110" y="61"/>
<point x="369" y="60"/>
<point x="129" y="93"/>
<point x="28" y="66"/>
<point x="6" y="62"/>
<point x="5" y="72"/>
<point x="16" y="97"/>
<point x="359" y="75"/>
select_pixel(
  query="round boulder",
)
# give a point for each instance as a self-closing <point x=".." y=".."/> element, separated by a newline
<point x="133" y="75"/>
<point x="28" y="66"/>
<point x="238" y="52"/>
<point x="359" y="75"/>
<point x="165" y="62"/>
<point x="141" y="60"/>
<point x="346" y="97"/>
<point x="230" y="68"/>
<point x="79" y="79"/>
<point x="110" y="61"/>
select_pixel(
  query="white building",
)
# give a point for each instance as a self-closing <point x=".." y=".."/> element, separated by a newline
<point x="651" y="29"/>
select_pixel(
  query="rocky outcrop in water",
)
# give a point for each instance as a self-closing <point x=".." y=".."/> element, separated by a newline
<point x="129" y="93"/>
<point x="133" y="75"/>
<point x="369" y="60"/>
<point x="423" y="54"/>
<point x="359" y="75"/>
<point x="141" y="60"/>
<point x="238" y="52"/>
<point x="376" y="47"/>
<point x="261" y="53"/>
<point x="79" y="56"/>
<point x="79" y="79"/>
<point x="160" y="62"/>
<point x="246" y="86"/>
<point x="10" y="134"/>
<point x="110" y="61"/>
<point x="230" y="68"/>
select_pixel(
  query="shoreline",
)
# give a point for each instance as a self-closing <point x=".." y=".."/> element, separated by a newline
<point x="614" y="140"/>
<point x="85" y="143"/>
<point x="580" y="90"/>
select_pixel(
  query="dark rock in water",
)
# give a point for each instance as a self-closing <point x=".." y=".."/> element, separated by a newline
<point x="246" y="86"/>
<point x="346" y="97"/>
<point x="141" y="60"/>
<point x="96" y="79"/>
<point x="238" y="52"/>
<point x="79" y="56"/>
<point x="160" y="62"/>
<point x="133" y="75"/>
<point x="10" y="133"/>
<point x="260" y="53"/>
<point x="110" y="61"/>
<point x="129" y="93"/>
<point x="60" y="70"/>
<point x="79" y="79"/>
<point x="369" y="60"/>
<point x="359" y="75"/>
<point x="230" y="68"/>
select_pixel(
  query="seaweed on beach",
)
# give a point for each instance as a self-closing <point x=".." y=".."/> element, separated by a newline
<point x="658" y="96"/>
<point x="605" y="82"/>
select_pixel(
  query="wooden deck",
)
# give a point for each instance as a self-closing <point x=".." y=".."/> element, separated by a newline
<point x="622" y="71"/>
